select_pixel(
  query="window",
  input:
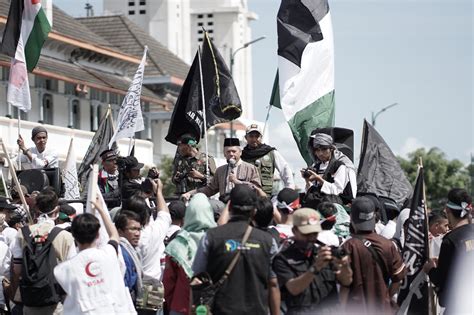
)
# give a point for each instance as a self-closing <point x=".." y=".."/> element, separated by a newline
<point x="47" y="84"/>
<point x="210" y="31"/>
<point x="200" y="39"/>
<point x="47" y="108"/>
<point x="5" y="74"/>
<point x="210" y="15"/>
<point x="131" y="3"/>
<point x="98" y="95"/>
<point x="69" y="88"/>
<point x="142" y="2"/>
<point x="113" y="98"/>
<point x="200" y="31"/>
<point x="142" y="11"/>
<point x="200" y="24"/>
<point x="200" y="16"/>
<point x="131" y="12"/>
<point x="75" y="117"/>
<point x="210" y="23"/>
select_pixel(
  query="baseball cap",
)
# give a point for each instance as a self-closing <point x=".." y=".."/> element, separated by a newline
<point x="363" y="214"/>
<point x="243" y="197"/>
<point x="132" y="163"/>
<point x="253" y="127"/>
<point x="187" y="139"/>
<point x="108" y="155"/>
<point x="307" y="221"/>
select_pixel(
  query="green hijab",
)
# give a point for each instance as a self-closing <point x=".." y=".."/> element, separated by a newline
<point x="198" y="218"/>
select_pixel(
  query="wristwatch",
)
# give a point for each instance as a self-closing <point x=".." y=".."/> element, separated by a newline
<point x="313" y="270"/>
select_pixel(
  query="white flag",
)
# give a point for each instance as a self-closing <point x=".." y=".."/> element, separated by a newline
<point x="130" y="119"/>
<point x="71" y="184"/>
<point x="18" y="93"/>
<point x="92" y="194"/>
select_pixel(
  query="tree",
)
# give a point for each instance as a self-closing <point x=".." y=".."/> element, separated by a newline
<point x="440" y="174"/>
<point x="166" y="168"/>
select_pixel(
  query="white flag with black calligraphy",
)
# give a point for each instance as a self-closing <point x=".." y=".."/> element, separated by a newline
<point x="71" y="183"/>
<point x="130" y="118"/>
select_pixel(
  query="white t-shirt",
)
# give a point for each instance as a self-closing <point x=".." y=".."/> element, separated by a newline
<point x="8" y="235"/>
<point x="94" y="284"/>
<point x="5" y="257"/>
<point x="48" y="158"/>
<point x="389" y="230"/>
<point x="152" y="247"/>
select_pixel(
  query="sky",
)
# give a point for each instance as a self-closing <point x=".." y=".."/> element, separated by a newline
<point x="417" y="53"/>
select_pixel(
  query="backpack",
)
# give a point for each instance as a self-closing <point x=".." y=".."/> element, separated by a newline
<point x="38" y="286"/>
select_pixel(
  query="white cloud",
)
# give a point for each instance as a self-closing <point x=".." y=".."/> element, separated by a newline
<point x="410" y="145"/>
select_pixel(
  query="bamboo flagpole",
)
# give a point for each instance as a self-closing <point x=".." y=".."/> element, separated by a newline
<point x="17" y="183"/>
<point x="203" y="113"/>
<point x="19" y="150"/>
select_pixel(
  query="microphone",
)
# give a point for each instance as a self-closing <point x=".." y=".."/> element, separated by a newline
<point x="231" y="163"/>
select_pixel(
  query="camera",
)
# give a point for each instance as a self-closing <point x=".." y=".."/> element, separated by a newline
<point x="153" y="173"/>
<point x="338" y="252"/>
<point x="306" y="173"/>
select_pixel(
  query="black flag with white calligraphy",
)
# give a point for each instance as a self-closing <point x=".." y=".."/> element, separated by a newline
<point x="413" y="297"/>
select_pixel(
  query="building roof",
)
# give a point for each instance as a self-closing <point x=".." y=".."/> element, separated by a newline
<point x="131" y="39"/>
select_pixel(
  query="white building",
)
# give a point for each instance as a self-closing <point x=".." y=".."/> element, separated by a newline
<point x="178" y="24"/>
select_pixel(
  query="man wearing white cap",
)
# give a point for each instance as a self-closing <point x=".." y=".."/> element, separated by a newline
<point x="266" y="159"/>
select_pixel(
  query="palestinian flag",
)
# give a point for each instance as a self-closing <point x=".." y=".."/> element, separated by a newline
<point x="24" y="35"/>
<point x="305" y="68"/>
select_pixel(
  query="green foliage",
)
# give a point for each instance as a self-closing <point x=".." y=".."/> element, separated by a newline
<point x="440" y="174"/>
<point x="166" y="168"/>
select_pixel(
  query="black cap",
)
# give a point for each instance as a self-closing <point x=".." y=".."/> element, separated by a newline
<point x="37" y="130"/>
<point x="5" y="204"/>
<point x="131" y="163"/>
<point x="177" y="209"/>
<point x="363" y="214"/>
<point x="231" y="142"/>
<point x="108" y="155"/>
<point x="243" y="198"/>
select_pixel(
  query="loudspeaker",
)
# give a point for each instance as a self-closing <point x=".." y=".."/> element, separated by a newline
<point x="343" y="139"/>
<point x="39" y="179"/>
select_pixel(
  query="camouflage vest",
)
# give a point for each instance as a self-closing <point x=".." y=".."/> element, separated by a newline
<point x="266" y="168"/>
<point x="185" y="165"/>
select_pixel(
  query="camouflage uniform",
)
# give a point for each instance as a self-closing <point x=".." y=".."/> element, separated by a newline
<point x="184" y="165"/>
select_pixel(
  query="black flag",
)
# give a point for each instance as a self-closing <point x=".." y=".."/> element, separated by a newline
<point x="379" y="171"/>
<point x="414" y="295"/>
<point x="99" y="143"/>
<point x="187" y="114"/>
<point x="221" y="99"/>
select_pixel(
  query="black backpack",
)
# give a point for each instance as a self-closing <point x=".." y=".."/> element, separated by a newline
<point x="38" y="286"/>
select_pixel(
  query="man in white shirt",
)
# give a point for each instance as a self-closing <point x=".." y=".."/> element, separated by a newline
<point x="38" y="156"/>
<point x="151" y="244"/>
<point x="92" y="279"/>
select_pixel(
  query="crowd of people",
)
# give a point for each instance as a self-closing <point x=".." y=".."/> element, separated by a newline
<point x="227" y="244"/>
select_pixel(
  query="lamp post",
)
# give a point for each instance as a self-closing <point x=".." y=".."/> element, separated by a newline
<point x="232" y="55"/>
<point x="374" y="116"/>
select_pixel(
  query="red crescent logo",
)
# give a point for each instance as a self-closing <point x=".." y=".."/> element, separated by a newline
<point x="90" y="272"/>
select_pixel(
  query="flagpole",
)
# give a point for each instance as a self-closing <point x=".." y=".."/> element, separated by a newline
<point x="266" y="119"/>
<point x="203" y="111"/>
<point x="431" y="298"/>
<point x="17" y="183"/>
<point x="19" y="150"/>
<point x="130" y="145"/>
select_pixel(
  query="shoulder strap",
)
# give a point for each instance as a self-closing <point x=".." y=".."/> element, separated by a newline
<point x="27" y="236"/>
<point x="236" y="257"/>
<point x="53" y="233"/>
<point x="375" y="256"/>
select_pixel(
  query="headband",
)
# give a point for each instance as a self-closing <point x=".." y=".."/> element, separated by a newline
<point x="283" y="205"/>
<point x="464" y="207"/>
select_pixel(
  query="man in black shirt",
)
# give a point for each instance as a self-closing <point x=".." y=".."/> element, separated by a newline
<point x="308" y="276"/>
<point x="456" y="253"/>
